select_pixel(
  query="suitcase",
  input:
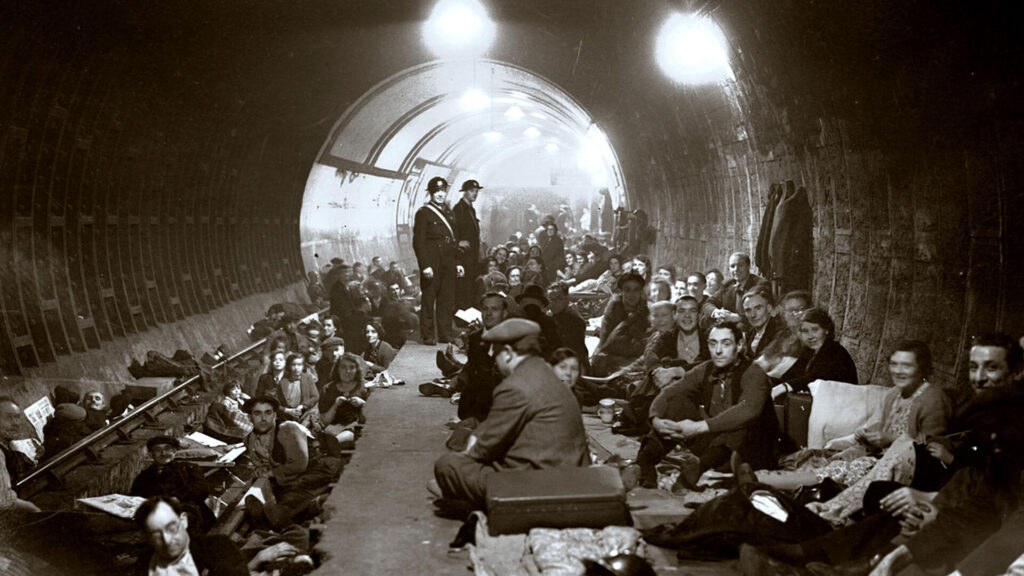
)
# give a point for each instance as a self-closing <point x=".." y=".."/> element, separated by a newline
<point x="798" y="415"/>
<point x="591" y="497"/>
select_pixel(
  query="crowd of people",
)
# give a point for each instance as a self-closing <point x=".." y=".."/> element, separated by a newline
<point x="697" y="361"/>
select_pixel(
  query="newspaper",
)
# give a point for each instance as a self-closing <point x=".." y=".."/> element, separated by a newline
<point x="38" y="413"/>
<point x="469" y="315"/>
<point x="117" y="504"/>
<point x="205" y="440"/>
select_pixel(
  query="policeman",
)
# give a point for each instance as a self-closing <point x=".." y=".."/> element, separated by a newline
<point x="433" y="240"/>
<point x="467" y="232"/>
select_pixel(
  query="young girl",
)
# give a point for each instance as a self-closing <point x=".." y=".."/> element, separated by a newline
<point x="342" y="401"/>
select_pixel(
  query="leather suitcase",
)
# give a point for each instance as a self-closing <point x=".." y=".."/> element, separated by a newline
<point x="577" y="497"/>
<point x="798" y="415"/>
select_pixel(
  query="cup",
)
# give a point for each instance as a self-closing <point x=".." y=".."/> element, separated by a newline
<point x="606" y="410"/>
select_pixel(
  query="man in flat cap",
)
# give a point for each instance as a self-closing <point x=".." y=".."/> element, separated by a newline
<point x="534" y="421"/>
<point x="467" y="232"/>
<point x="170" y="477"/>
<point x="434" y="241"/>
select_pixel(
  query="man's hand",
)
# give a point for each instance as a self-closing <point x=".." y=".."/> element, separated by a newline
<point x="917" y="517"/>
<point x="293" y="412"/>
<point x="691" y="428"/>
<point x="460" y="271"/>
<point x="898" y="502"/>
<point x="665" y="376"/>
<point x="665" y="428"/>
<point x="941" y="452"/>
<point x="428" y="272"/>
<point x="874" y="437"/>
<point x="779" y="390"/>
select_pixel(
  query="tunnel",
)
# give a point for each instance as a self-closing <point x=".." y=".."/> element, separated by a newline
<point x="171" y="169"/>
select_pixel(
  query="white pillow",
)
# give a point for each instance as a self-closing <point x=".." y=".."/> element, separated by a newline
<point x="840" y="408"/>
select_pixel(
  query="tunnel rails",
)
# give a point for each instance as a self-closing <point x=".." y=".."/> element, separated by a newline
<point x="89" y="449"/>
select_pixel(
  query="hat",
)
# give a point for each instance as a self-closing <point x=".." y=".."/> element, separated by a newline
<point x="470" y="185"/>
<point x="69" y="412"/>
<point x="331" y="343"/>
<point x="533" y="291"/>
<point x="629" y="276"/>
<point x="437" y="184"/>
<point x="158" y="440"/>
<point x="511" y="330"/>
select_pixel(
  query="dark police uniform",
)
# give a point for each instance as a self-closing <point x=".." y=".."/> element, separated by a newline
<point x="435" y="246"/>
<point x="467" y="227"/>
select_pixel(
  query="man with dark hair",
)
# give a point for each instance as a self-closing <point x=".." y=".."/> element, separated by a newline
<point x="377" y="268"/>
<point x="13" y="464"/>
<point x="467" y="234"/>
<point x="282" y="452"/>
<point x="434" y="242"/>
<point x="624" y="326"/>
<point x="719" y="406"/>
<point x="762" y="324"/>
<point x="534" y="422"/>
<point x="170" y="477"/>
<point x="572" y="328"/>
<point x="696" y="286"/>
<point x="476" y="381"/>
<point x="532" y="301"/>
<point x="174" y="552"/>
<point x="343" y="302"/>
<point x="331" y="326"/>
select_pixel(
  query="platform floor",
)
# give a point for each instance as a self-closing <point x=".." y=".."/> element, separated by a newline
<point x="380" y="517"/>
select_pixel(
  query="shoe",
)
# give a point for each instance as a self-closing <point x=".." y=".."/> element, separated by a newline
<point x="257" y="517"/>
<point x="741" y="471"/>
<point x="643" y="476"/>
<point x="434" y="488"/>
<point x="753" y="562"/>
<point x="854" y="568"/>
<point x="435" y="389"/>
<point x="467" y="533"/>
<point x="689" y="475"/>
<point x="455" y="398"/>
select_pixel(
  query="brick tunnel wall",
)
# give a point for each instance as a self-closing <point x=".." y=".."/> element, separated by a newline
<point x="121" y="212"/>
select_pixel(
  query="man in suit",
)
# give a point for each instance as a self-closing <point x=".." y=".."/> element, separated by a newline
<point x="467" y="232"/>
<point x="534" y="420"/>
<point x="342" y="300"/>
<point x="743" y="281"/>
<point x="173" y="551"/>
<point x="762" y="325"/>
<point x="572" y="328"/>
<point x="434" y="242"/>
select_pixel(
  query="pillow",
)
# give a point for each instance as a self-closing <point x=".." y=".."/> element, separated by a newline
<point x="840" y="408"/>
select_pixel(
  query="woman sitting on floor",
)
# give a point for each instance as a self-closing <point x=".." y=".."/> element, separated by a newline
<point x="341" y="403"/>
<point x="823" y="359"/>
<point x="915" y="412"/>
<point x="378" y="354"/>
<point x="297" y="393"/>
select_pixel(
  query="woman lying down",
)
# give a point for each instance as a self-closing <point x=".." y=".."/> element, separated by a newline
<point x="902" y="444"/>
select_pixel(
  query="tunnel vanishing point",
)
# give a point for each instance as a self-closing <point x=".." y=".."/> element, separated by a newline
<point x="170" y="168"/>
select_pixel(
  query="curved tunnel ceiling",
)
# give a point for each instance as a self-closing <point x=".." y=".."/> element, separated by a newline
<point x="457" y="114"/>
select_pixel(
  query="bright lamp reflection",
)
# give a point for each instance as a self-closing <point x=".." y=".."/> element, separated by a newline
<point x="474" y="99"/>
<point x="691" y="49"/>
<point x="531" y="132"/>
<point x="458" y="29"/>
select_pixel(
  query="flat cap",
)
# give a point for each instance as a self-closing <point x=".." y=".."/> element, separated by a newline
<point x="331" y="342"/>
<point x="158" y="440"/>
<point x="511" y="330"/>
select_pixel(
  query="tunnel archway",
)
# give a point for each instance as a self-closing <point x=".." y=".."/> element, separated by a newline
<point x="516" y="131"/>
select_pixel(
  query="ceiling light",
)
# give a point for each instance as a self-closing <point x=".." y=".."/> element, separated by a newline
<point x="692" y="49"/>
<point x="514" y="112"/>
<point x="475" y="99"/>
<point x="492" y="135"/>
<point x="531" y="132"/>
<point x="551" y="147"/>
<point x="458" y="29"/>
